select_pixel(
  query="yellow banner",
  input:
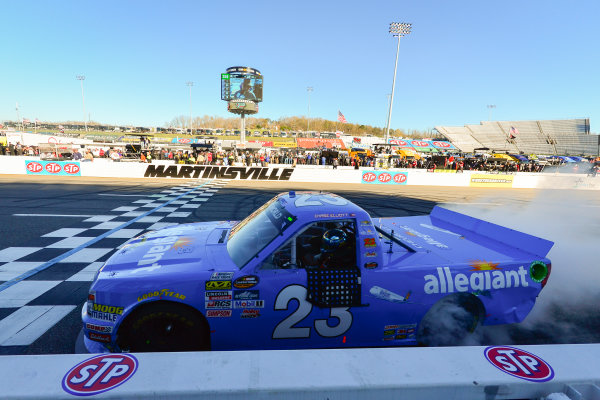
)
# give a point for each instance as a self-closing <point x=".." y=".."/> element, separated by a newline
<point x="491" y="180"/>
<point x="279" y="143"/>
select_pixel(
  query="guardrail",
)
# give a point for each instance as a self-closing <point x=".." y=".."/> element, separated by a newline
<point x="498" y="372"/>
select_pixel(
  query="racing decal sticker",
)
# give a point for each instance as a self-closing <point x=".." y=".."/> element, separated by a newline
<point x="218" y="313"/>
<point x="217" y="285"/>
<point x="399" y="332"/>
<point x="370" y="242"/>
<point x="98" y="328"/>
<point x="217" y="295"/>
<point x="208" y="172"/>
<point x="221" y="276"/>
<point x="218" y="304"/>
<point x="428" y="239"/>
<point x="99" y="337"/>
<point x="246" y="294"/>
<point x="160" y="294"/>
<point x="384" y="294"/>
<point x="99" y="374"/>
<point x="371" y="254"/>
<point x="332" y="215"/>
<point x="246" y="282"/>
<point x="248" y="304"/>
<point x="104" y="312"/>
<point x="371" y="265"/>
<point x="519" y="363"/>
<point x="249" y="313"/>
<point x="365" y="223"/>
<point x="488" y="278"/>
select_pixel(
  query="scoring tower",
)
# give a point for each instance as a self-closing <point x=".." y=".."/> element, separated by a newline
<point x="242" y="88"/>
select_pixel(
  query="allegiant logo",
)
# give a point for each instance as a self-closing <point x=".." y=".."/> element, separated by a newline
<point x="445" y="282"/>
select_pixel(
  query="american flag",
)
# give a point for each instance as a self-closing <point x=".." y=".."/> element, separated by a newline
<point x="341" y="117"/>
<point x="514" y="130"/>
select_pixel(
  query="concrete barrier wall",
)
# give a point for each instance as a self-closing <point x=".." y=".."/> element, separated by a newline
<point x="498" y="372"/>
<point x="301" y="173"/>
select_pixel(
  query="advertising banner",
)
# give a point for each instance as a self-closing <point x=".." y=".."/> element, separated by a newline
<point x="491" y="180"/>
<point x="384" y="177"/>
<point x="422" y="145"/>
<point x="64" y="168"/>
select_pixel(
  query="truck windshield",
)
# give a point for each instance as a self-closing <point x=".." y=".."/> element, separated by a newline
<point x="255" y="232"/>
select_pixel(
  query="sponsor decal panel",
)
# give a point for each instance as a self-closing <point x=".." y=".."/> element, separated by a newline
<point x="384" y="177"/>
<point x="249" y="313"/>
<point x="161" y="294"/>
<point x="248" y="304"/>
<point x="487" y="276"/>
<point x="218" y="313"/>
<point x="210" y="172"/>
<point x="519" y="363"/>
<point x="246" y="294"/>
<point x="99" y="374"/>
<point x="221" y="276"/>
<point x="217" y="295"/>
<point x="98" y="328"/>
<point x="220" y="304"/>
<point x="399" y="332"/>
<point x="217" y="285"/>
<point x="491" y="180"/>
<point x="246" y="282"/>
<point x="99" y="337"/>
<point x="62" y="168"/>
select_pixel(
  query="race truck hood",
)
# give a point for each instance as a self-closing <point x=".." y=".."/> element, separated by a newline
<point x="446" y="236"/>
<point x="187" y="247"/>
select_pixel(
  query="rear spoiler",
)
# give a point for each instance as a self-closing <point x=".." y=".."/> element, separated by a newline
<point x="467" y="226"/>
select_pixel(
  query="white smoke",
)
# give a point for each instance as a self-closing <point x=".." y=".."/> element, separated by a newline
<point x="567" y="309"/>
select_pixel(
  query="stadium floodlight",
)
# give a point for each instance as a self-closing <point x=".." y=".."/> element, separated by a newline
<point x="490" y="107"/>
<point x="190" y="84"/>
<point x="81" y="78"/>
<point x="308" y="90"/>
<point x="397" y="29"/>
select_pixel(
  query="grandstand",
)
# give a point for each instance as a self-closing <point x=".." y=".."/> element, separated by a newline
<point x="559" y="137"/>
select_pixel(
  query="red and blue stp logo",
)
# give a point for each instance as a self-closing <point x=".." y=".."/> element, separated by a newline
<point x="519" y="363"/>
<point x="99" y="374"/>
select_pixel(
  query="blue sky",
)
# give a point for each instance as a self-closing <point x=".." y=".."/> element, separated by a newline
<point x="532" y="59"/>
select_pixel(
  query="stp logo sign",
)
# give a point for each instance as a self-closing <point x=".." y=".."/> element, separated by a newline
<point x="399" y="178"/>
<point x="99" y="374"/>
<point x="419" y="143"/>
<point x="384" y="177"/>
<point x="53" y="168"/>
<point x="71" y="168"/>
<point x="34" y="167"/>
<point x="519" y="363"/>
<point x="441" y="144"/>
<point x="369" y="177"/>
<point x="398" y="142"/>
<point x="184" y="140"/>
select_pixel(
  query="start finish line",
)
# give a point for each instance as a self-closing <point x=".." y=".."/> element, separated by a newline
<point x="496" y="372"/>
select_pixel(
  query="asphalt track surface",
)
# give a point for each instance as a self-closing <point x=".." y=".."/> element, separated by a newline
<point x="31" y="208"/>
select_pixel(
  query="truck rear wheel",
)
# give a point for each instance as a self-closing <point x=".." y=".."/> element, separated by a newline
<point x="451" y="321"/>
<point x="164" y="326"/>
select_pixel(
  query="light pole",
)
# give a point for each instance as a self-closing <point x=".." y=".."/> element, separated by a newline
<point x="490" y="107"/>
<point x="81" y="78"/>
<point x="190" y="84"/>
<point x="397" y="29"/>
<point x="308" y="90"/>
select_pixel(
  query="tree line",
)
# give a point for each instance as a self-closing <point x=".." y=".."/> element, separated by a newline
<point x="289" y="124"/>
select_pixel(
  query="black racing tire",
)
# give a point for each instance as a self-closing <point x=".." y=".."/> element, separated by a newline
<point x="164" y="326"/>
<point x="451" y="321"/>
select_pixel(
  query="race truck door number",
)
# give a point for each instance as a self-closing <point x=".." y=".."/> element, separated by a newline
<point x="286" y="329"/>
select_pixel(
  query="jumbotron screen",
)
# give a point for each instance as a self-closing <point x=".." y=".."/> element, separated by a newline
<point x="242" y="83"/>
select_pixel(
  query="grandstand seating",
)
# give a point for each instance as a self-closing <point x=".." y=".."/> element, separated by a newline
<point x="564" y="137"/>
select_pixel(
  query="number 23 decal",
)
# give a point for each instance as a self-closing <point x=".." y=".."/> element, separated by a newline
<point x="286" y="329"/>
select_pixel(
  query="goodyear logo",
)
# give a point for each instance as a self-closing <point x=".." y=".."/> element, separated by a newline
<point x="107" y="309"/>
<point x="217" y="285"/>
